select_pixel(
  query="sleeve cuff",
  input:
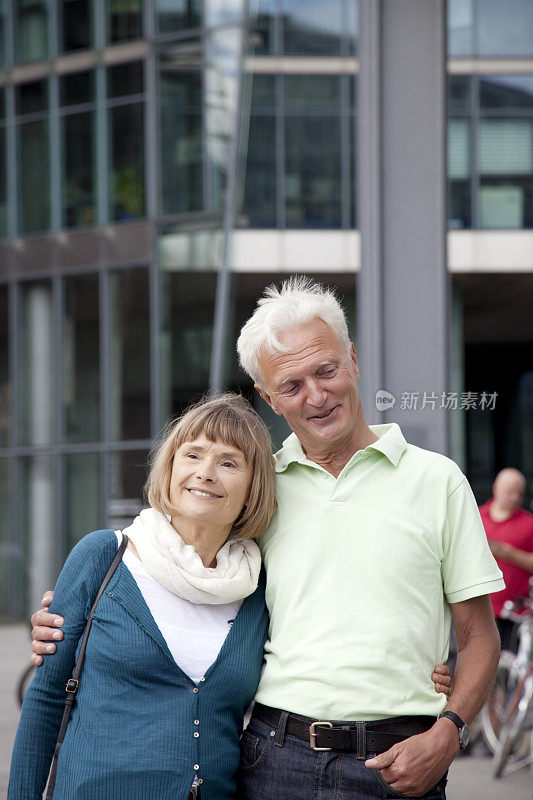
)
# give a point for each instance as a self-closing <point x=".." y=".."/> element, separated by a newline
<point x="487" y="587"/>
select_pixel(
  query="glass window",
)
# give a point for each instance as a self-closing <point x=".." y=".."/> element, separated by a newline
<point x="459" y="173"/>
<point x="312" y="172"/>
<point x="32" y="97"/>
<point x="506" y="173"/>
<point x="130" y="354"/>
<point x="3" y="182"/>
<point x="128" y="473"/>
<point x="260" y="183"/>
<point x="459" y="93"/>
<point x="76" y="24"/>
<point x="312" y="27"/>
<point x="36" y="364"/>
<point x="81" y="359"/>
<point x="460" y="27"/>
<point x="78" y="151"/>
<point x="11" y="560"/>
<point x="505" y="29"/>
<point x="34" y="176"/>
<point x="263" y="40"/>
<point x="82" y="496"/>
<point x="311" y="91"/>
<point x="506" y="91"/>
<point x="2" y="32"/>
<point x="177" y="15"/>
<point x="188" y="303"/>
<point x="76" y="88"/>
<point x="124" y="20"/>
<point x="180" y="108"/>
<point x="263" y="87"/>
<point x="125" y="79"/>
<point x="126" y="158"/>
<point x="31" y="29"/>
<point x="5" y="383"/>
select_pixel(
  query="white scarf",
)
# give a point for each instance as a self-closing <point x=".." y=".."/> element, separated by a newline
<point x="178" y="567"/>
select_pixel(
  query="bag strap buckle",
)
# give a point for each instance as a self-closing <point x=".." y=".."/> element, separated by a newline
<point x="72" y="685"/>
<point x="313" y="734"/>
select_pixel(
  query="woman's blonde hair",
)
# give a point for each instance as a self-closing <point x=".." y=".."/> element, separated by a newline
<point x="231" y="419"/>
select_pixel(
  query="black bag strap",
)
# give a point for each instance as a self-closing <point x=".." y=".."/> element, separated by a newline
<point x="73" y="682"/>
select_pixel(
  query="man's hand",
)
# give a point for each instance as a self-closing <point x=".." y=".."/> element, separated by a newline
<point x="415" y="765"/>
<point x="45" y="631"/>
<point x="442" y="679"/>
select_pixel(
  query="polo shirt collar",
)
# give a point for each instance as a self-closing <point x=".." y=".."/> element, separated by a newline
<point x="391" y="443"/>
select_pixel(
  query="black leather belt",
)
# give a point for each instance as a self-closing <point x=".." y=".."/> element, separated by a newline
<point x="363" y="738"/>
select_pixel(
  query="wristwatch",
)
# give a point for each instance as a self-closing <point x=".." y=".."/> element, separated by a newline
<point x="462" y="727"/>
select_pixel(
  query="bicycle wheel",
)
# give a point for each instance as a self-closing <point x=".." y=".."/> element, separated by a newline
<point x="23" y="683"/>
<point x="513" y="750"/>
<point x="492" y="715"/>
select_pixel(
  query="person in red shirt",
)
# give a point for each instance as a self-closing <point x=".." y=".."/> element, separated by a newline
<point x="509" y="529"/>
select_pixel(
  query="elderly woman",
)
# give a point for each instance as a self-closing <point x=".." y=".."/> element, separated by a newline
<point x="175" y="650"/>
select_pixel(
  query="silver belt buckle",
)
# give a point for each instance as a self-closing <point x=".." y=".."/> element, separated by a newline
<point x="313" y="734"/>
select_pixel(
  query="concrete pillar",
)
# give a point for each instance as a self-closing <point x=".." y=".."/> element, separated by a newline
<point x="403" y="284"/>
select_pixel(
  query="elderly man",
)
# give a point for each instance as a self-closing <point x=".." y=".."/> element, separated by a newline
<point x="376" y="544"/>
<point x="509" y="529"/>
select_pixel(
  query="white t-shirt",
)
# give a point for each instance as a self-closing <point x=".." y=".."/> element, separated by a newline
<point x="193" y="632"/>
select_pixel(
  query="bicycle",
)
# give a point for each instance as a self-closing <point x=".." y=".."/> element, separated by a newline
<point x="507" y="718"/>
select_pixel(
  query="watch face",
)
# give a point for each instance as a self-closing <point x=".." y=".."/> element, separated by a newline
<point x="464" y="736"/>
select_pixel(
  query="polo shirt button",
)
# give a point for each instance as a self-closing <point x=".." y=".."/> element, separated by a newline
<point x="196" y="721"/>
<point x="196" y="766"/>
<point x="196" y="734"/>
<point x="195" y="690"/>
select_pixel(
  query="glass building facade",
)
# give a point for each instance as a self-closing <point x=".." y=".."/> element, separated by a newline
<point x="118" y="126"/>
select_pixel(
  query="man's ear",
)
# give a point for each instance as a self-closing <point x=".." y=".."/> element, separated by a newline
<point x="353" y="357"/>
<point x="267" y="399"/>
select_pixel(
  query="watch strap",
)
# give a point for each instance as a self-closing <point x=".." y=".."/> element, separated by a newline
<point x="455" y="718"/>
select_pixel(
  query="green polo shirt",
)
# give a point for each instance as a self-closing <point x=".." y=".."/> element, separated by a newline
<point x="361" y="571"/>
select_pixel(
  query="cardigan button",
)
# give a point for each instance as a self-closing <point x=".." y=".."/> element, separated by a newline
<point x="195" y="690"/>
<point x="196" y="734"/>
<point x="196" y="766"/>
<point x="200" y="780"/>
<point x="196" y="721"/>
<point x="202" y="680"/>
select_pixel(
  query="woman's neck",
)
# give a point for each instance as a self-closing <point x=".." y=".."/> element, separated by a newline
<point x="206" y="539"/>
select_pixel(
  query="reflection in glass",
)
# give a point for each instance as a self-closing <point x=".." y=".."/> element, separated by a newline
<point x="76" y="24"/>
<point x="36" y="364"/>
<point x="506" y="173"/>
<point x="188" y="304"/>
<point x="180" y="107"/>
<point x="130" y="354"/>
<point x="223" y="12"/>
<point x="460" y="27"/>
<point x="31" y="97"/>
<point x="263" y="39"/>
<point x="505" y="29"/>
<point x="459" y="92"/>
<point x="459" y="173"/>
<point x="31" y="29"/>
<point x="311" y="91"/>
<point x="126" y="155"/>
<point x="2" y="32"/>
<point x="260" y="184"/>
<point x="81" y="359"/>
<point x="263" y="88"/>
<point x="125" y="79"/>
<point x="12" y="558"/>
<point x="38" y="529"/>
<point x="77" y="87"/>
<point x="177" y="15"/>
<point x="312" y="27"/>
<point x="127" y="475"/>
<point x="79" y="191"/>
<point x="3" y="183"/>
<point x="312" y="172"/>
<point x="34" y="176"/>
<point x="5" y="384"/>
<point x="506" y="91"/>
<point x="124" y="20"/>
<point x="82" y="496"/>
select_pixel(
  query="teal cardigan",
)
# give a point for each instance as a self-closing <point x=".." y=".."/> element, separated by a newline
<point x="133" y="729"/>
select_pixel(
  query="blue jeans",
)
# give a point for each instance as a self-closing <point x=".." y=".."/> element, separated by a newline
<point x="275" y="766"/>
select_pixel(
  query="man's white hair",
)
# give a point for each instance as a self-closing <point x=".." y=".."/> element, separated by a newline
<point x="299" y="301"/>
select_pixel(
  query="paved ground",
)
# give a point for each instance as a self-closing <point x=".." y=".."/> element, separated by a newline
<point x="470" y="778"/>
